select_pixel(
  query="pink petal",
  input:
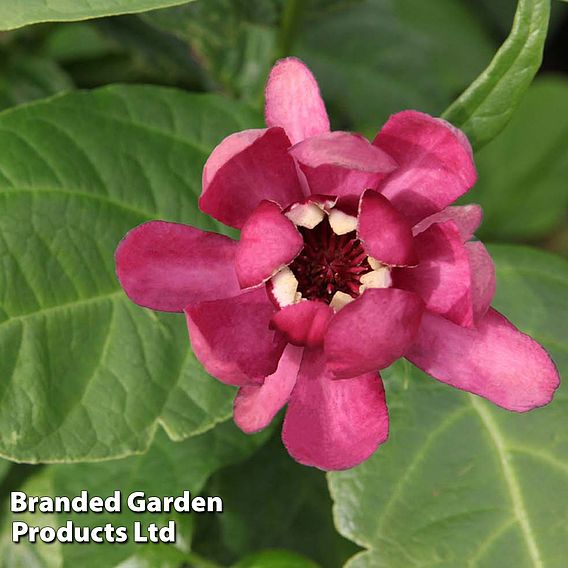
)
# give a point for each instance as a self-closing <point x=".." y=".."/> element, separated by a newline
<point x="334" y="424"/>
<point x="372" y="332"/>
<point x="269" y="241"/>
<point x="232" y="340"/>
<point x="435" y="163"/>
<point x="256" y="406"/>
<point x="229" y="147"/>
<point x="342" y="163"/>
<point x="343" y="149"/>
<point x="466" y="217"/>
<point x="167" y="266"/>
<point x="384" y="232"/>
<point x="482" y="278"/>
<point x="495" y="361"/>
<point x="304" y="323"/>
<point x="293" y="101"/>
<point x="246" y="168"/>
<point x="443" y="277"/>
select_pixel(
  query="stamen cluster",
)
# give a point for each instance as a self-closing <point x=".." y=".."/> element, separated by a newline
<point x="329" y="263"/>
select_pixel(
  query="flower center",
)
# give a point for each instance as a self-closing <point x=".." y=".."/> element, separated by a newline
<point x="329" y="263"/>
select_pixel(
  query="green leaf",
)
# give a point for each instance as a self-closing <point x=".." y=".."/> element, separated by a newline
<point x="484" y="109"/>
<point x="462" y="482"/>
<point x="374" y="58"/>
<point x="271" y="502"/>
<point x="500" y="15"/>
<point x="148" y="55"/>
<point x="523" y="172"/>
<point x="24" y="78"/>
<point x="24" y="12"/>
<point x="77" y="42"/>
<point x="85" y="373"/>
<point x="233" y="40"/>
<point x="168" y="469"/>
<point x="121" y="49"/>
<point x="275" y="559"/>
<point x="236" y="42"/>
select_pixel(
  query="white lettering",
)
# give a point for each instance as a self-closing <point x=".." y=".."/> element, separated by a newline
<point x="18" y="501"/>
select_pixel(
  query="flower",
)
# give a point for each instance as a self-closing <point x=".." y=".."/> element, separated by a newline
<point x="350" y="257"/>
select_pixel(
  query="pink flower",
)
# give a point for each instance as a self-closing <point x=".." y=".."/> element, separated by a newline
<point x="350" y="258"/>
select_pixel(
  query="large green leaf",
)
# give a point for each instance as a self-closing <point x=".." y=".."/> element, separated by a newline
<point x="167" y="469"/>
<point x="18" y="13"/>
<point x="24" y="78"/>
<point x="122" y="49"/>
<point x="500" y="15"/>
<point x="86" y="374"/>
<point x="484" y="109"/>
<point x="462" y="482"/>
<point x="523" y="172"/>
<point x="377" y="57"/>
<point x="275" y="559"/>
<point x="376" y="71"/>
<point x="234" y="40"/>
<point x="271" y="502"/>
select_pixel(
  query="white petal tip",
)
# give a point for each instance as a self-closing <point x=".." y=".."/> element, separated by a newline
<point x="342" y="223"/>
<point x="340" y="300"/>
<point x="285" y="288"/>
<point x="308" y="215"/>
<point x="380" y="278"/>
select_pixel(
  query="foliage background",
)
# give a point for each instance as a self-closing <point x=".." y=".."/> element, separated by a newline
<point x="100" y="394"/>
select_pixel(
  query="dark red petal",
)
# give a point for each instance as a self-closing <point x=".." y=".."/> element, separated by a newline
<point x="269" y="241"/>
<point x="232" y="340"/>
<point x="443" y="277"/>
<point x="435" y="163"/>
<point x="334" y="424"/>
<point x="384" y="232"/>
<point x="495" y="360"/>
<point x="245" y="169"/>
<point x="256" y="406"/>
<point x="167" y="266"/>
<point x="372" y="332"/>
<point x="293" y="101"/>
<point x="304" y="323"/>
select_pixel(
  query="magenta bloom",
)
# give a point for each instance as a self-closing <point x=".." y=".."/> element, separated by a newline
<point x="350" y="258"/>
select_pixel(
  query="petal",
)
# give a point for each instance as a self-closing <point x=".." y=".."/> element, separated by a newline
<point x="443" y="277"/>
<point x="333" y="424"/>
<point x="311" y="211"/>
<point x="435" y="163"/>
<point x="466" y="217"/>
<point x="340" y="300"/>
<point x="482" y="278"/>
<point x="293" y="101"/>
<point x="342" y="223"/>
<point x="269" y="241"/>
<point x="343" y="149"/>
<point x="246" y="168"/>
<point x="377" y="278"/>
<point x="495" y="361"/>
<point x="304" y="323"/>
<point x="256" y="406"/>
<point x="167" y="266"/>
<point x="384" y="232"/>
<point x="282" y="289"/>
<point x="232" y="340"/>
<point x="372" y="332"/>
<point x="342" y="164"/>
